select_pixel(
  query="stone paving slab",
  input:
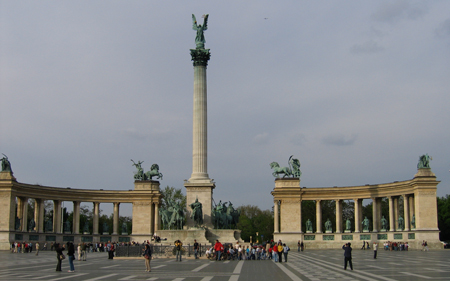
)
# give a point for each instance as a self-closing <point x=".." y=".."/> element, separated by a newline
<point x="314" y="265"/>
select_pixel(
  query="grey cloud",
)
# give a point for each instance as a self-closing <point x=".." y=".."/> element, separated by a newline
<point x="393" y="11"/>
<point x="262" y="138"/>
<point x="444" y="29"/>
<point x="368" y="47"/>
<point x="339" y="140"/>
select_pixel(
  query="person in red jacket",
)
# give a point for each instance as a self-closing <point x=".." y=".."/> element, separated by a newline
<point x="275" y="252"/>
<point x="218" y="247"/>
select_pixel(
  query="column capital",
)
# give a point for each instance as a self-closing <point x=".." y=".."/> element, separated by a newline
<point x="200" y="57"/>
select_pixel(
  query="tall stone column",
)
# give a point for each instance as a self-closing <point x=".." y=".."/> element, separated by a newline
<point x="338" y="216"/>
<point x="391" y="214"/>
<point x="200" y="186"/>
<point x="156" y="219"/>
<point x="396" y="212"/>
<point x="318" y="217"/>
<point x="40" y="225"/>
<point x="375" y="216"/>
<point x="411" y="209"/>
<point x="357" y="216"/>
<point x="276" y="215"/>
<point x="116" y="219"/>
<point x="76" y="217"/>
<point x="20" y="211"/>
<point x="57" y="216"/>
<point x="37" y="218"/>
<point x="95" y="218"/>
<point x="406" y="211"/>
<point x="25" y="214"/>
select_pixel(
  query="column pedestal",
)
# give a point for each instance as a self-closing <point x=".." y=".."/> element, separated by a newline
<point x="204" y="193"/>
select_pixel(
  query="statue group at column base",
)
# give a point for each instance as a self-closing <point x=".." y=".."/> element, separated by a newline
<point x="202" y="235"/>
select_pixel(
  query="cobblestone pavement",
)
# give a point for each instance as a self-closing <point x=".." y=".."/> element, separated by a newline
<point x="309" y="265"/>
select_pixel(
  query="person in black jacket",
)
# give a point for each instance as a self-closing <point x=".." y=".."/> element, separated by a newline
<point x="71" y="255"/>
<point x="148" y="256"/>
<point x="347" y="255"/>
<point x="59" y="253"/>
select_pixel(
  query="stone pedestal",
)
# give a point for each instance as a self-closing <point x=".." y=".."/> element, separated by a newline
<point x="328" y="231"/>
<point x="348" y="231"/>
<point x="204" y="193"/>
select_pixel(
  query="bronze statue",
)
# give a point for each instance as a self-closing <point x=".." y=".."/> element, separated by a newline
<point x="424" y="162"/>
<point x="6" y="165"/>
<point x="200" y="37"/>
<point x="197" y="213"/>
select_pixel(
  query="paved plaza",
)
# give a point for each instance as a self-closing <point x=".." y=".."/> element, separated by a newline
<point x="307" y="265"/>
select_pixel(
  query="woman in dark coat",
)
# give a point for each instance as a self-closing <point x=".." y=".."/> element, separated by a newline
<point x="148" y="256"/>
<point x="71" y="255"/>
<point x="59" y="253"/>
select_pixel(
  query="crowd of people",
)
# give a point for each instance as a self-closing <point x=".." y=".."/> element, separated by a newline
<point x="270" y="250"/>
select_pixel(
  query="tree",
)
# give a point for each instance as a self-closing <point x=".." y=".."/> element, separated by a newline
<point x="443" y="206"/>
<point x="253" y="220"/>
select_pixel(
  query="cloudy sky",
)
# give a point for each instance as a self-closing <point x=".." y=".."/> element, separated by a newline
<point x="356" y="90"/>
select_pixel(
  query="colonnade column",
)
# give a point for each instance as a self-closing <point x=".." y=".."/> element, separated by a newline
<point x="375" y="214"/>
<point x="116" y="218"/>
<point x="76" y="217"/>
<point x="156" y="217"/>
<point x="395" y="213"/>
<point x="357" y="215"/>
<point x="411" y="208"/>
<point x="95" y="218"/>
<point x="318" y="217"/>
<point x="19" y="212"/>
<point x="57" y="216"/>
<point x="406" y="211"/>
<point x="37" y="219"/>
<point x="40" y="225"/>
<point x="300" y="216"/>
<point x="276" y="227"/>
<point x="391" y="214"/>
<point x="338" y="216"/>
<point x="25" y="214"/>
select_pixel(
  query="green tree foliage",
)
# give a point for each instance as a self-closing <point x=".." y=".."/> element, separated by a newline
<point x="253" y="220"/>
<point x="443" y="205"/>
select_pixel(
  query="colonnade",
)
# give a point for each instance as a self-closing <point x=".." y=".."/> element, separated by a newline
<point x="145" y="199"/>
<point x="394" y="214"/>
<point x="419" y="214"/>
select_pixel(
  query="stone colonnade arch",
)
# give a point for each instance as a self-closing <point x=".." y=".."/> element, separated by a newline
<point x="419" y="215"/>
<point x="146" y="199"/>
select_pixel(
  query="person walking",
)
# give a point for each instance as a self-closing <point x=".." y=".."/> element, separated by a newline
<point x="218" y="247"/>
<point x="59" y="255"/>
<point x="280" y="252"/>
<point x="71" y="255"/>
<point x="275" y="253"/>
<point x="83" y="251"/>
<point x="79" y="251"/>
<point x="148" y="256"/>
<point x="347" y="255"/>
<point x="363" y="246"/>
<point x="178" y="246"/>
<point x="298" y="246"/>
<point x="375" y="249"/>
<point x="285" y="252"/>
<point x="302" y="246"/>
<point x="195" y="249"/>
<point x="37" y="248"/>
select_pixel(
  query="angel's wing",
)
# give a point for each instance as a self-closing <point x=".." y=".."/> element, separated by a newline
<point x="194" y="22"/>
<point x="205" y="22"/>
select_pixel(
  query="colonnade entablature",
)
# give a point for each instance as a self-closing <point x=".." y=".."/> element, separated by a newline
<point x="415" y="218"/>
<point x="145" y="199"/>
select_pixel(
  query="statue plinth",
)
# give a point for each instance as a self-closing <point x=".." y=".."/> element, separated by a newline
<point x="329" y="231"/>
<point x="309" y="231"/>
<point x="366" y="231"/>
<point x="203" y="192"/>
<point x="348" y="231"/>
<point x="86" y="233"/>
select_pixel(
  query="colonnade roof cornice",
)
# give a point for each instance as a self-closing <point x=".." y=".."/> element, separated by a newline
<point x="397" y="188"/>
<point x="83" y="195"/>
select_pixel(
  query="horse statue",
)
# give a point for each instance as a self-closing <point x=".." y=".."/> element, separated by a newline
<point x="163" y="213"/>
<point x="277" y="170"/>
<point x="292" y="171"/>
<point x="424" y="162"/>
<point x="154" y="172"/>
